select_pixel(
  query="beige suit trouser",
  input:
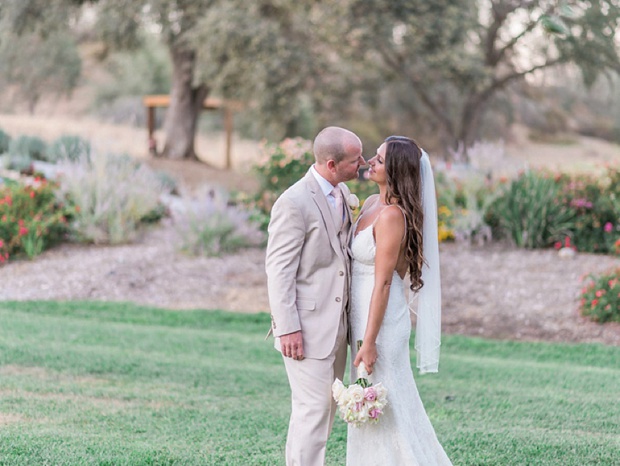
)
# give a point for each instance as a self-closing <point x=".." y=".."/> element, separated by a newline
<point x="313" y="406"/>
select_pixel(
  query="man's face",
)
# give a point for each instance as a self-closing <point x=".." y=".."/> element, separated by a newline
<point x="348" y="168"/>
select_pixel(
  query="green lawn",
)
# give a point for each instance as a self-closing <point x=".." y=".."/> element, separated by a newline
<point x="117" y="384"/>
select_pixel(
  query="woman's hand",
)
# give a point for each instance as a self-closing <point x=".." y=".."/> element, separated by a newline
<point x="368" y="355"/>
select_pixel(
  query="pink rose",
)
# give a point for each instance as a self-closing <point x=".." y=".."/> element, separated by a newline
<point x="608" y="227"/>
<point x="374" y="413"/>
<point x="370" y="394"/>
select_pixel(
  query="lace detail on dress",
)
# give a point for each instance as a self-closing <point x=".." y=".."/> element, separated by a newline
<point x="404" y="434"/>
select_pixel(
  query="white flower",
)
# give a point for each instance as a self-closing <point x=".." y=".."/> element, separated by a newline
<point x="357" y="393"/>
<point x="353" y="201"/>
<point x="381" y="392"/>
<point x="338" y="389"/>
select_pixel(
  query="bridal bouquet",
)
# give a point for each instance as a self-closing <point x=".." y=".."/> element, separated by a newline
<point x="360" y="402"/>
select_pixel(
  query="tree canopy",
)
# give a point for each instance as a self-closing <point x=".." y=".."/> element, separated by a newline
<point x="442" y="63"/>
<point x="453" y="56"/>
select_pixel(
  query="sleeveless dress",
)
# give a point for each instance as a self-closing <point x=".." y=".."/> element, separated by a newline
<point x="404" y="435"/>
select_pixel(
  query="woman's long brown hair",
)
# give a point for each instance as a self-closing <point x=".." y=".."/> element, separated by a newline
<point x="404" y="185"/>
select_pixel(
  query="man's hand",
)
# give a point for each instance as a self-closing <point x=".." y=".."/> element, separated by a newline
<point x="292" y="345"/>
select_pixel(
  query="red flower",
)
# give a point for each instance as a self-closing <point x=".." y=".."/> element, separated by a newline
<point x="32" y="194"/>
<point x="558" y="245"/>
<point x="23" y="231"/>
<point x="599" y="293"/>
<point x="594" y="302"/>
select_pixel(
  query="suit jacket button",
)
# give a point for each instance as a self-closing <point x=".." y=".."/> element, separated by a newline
<point x="341" y="273"/>
<point x="338" y="299"/>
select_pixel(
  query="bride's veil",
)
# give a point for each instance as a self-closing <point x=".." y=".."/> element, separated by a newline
<point x="428" y="324"/>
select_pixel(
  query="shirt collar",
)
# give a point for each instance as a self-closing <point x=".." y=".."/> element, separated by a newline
<point x="325" y="185"/>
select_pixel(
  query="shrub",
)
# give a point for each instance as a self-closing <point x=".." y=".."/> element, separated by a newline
<point x="595" y="202"/>
<point x="462" y="205"/>
<point x="280" y="166"/>
<point x="5" y="142"/>
<point x="69" y="148"/>
<point x="113" y="195"/>
<point x="600" y="298"/>
<point x="30" y="146"/>
<point x="31" y="219"/>
<point x="17" y="162"/>
<point x="212" y="225"/>
<point x="531" y="212"/>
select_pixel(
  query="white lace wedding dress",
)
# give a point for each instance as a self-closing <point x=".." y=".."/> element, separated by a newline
<point x="404" y="435"/>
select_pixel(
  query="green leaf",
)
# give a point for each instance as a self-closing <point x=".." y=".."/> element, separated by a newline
<point x="553" y="24"/>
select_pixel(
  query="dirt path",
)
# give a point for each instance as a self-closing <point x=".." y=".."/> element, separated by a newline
<point x="492" y="291"/>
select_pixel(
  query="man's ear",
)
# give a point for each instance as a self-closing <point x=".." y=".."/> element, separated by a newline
<point x="331" y="165"/>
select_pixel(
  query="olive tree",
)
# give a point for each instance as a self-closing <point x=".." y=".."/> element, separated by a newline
<point x="454" y="56"/>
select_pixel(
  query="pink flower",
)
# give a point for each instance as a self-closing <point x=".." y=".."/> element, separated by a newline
<point x="599" y="293"/>
<point x="608" y="227"/>
<point x="23" y="231"/>
<point x="374" y="413"/>
<point x="1" y="243"/>
<point x="558" y="245"/>
<point x="581" y="203"/>
<point x="370" y="394"/>
<point x="594" y="302"/>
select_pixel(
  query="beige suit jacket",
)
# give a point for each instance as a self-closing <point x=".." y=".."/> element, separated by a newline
<point x="308" y="266"/>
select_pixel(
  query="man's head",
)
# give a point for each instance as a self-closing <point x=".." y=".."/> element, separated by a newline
<point x="338" y="154"/>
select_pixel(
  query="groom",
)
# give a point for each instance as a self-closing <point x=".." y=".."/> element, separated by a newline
<point x="307" y="268"/>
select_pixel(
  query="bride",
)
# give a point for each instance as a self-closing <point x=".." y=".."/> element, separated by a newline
<point x="396" y="235"/>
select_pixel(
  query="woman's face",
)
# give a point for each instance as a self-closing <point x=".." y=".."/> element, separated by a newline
<point x="377" y="165"/>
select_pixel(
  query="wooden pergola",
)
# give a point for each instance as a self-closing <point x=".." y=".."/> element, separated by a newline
<point x="151" y="102"/>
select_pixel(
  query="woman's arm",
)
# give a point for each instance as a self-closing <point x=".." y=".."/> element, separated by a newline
<point x="389" y="231"/>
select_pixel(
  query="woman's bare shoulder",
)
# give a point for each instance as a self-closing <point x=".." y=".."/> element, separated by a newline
<point x="391" y="214"/>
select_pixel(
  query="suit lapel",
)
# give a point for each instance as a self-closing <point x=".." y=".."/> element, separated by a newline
<point x="326" y="212"/>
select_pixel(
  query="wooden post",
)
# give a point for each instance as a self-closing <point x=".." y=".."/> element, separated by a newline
<point x="228" y="125"/>
<point x="150" y="124"/>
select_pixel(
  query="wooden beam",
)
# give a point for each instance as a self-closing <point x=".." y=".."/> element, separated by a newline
<point x="210" y="103"/>
<point x="228" y="125"/>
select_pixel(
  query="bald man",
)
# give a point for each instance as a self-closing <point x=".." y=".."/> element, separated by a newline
<point x="308" y="271"/>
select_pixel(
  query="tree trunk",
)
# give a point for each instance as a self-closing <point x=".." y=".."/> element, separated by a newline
<point x="471" y="117"/>
<point x="186" y="102"/>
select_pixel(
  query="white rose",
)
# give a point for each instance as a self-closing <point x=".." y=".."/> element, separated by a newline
<point x="338" y="389"/>
<point x="357" y="393"/>
<point x="353" y="201"/>
<point x="381" y="393"/>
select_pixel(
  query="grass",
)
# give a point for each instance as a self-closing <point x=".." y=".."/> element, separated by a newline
<point x="118" y="384"/>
